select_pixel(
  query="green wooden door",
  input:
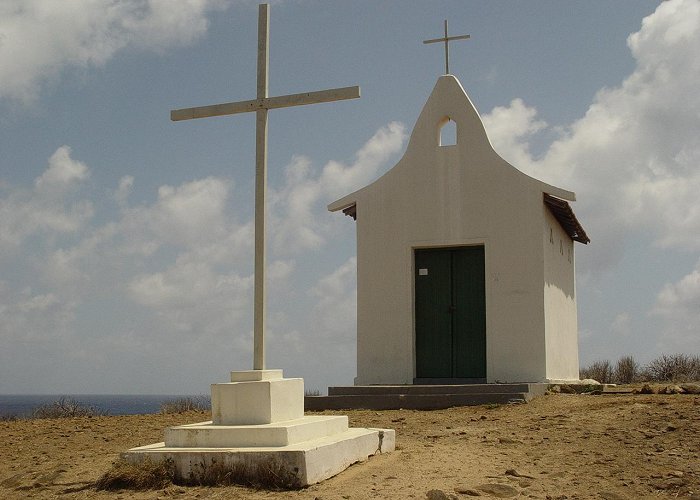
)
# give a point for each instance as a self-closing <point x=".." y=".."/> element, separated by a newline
<point x="450" y="309"/>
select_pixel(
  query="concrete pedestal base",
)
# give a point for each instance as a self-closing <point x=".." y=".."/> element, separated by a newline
<point x="258" y="425"/>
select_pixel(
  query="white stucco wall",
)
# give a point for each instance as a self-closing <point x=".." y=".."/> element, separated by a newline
<point x="559" y="302"/>
<point x="439" y="196"/>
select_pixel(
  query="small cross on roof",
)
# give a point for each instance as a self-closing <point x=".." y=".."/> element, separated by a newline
<point x="446" y="39"/>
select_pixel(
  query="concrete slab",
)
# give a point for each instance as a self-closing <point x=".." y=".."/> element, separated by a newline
<point x="432" y="389"/>
<point x="407" y="401"/>
<point x="257" y="402"/>
<point x="210" y="435"/>
<point x="253" y="375"/>
<point x="307" y="462"/>
<point x="422" y="397"/>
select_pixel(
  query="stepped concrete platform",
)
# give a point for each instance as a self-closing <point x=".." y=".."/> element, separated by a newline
<point x="258" y="424"/>
<point x="422" y="397"/>
<point x="211" y="435"/>
<point x="308" y="462"/>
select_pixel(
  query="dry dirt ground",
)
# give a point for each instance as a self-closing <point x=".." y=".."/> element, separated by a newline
<point x="555" y="447"/>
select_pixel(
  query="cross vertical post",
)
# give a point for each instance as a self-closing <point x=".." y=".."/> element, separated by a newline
<point x="447" y="52"/>
<point x="260" y="188"/>
<point x="446" y="39"/>
<point x="261" y="104"/>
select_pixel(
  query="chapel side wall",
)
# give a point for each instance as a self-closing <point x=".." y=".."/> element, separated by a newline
<point x="561" y="329"/>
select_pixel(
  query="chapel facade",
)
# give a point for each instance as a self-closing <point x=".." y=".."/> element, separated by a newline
<point x="465" y="265"/>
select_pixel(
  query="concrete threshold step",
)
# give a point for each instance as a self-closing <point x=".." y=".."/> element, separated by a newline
<point x="432" y="389"/>
<point x="409" y="401"/>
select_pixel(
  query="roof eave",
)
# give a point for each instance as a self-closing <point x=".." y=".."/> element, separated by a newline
<point x="561" y="210"/>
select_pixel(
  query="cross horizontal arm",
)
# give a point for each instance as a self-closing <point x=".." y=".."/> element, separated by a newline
<point x="447" y="39"/>
<point x="285" y="101"/>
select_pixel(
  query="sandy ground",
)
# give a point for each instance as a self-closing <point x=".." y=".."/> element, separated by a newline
<point x="556" y="447"/>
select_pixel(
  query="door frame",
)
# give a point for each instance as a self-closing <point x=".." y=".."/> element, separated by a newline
<point x="447" y="246"/>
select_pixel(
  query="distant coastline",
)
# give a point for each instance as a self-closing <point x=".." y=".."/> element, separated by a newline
<point x="21" y="405"/>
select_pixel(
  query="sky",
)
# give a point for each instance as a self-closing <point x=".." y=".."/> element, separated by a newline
<point x="126" y="240"/>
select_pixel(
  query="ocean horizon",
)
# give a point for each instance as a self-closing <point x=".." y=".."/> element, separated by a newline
<point x="21" y="405"/>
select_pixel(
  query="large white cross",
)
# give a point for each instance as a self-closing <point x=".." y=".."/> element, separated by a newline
<point x="447" y="39"/>
<point x="261" y="105"/>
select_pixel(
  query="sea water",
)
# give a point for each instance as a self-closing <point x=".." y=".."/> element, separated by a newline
<point x="22" y="405"/>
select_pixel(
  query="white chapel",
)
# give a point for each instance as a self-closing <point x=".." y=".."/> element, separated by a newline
<point x="465" y="265"/>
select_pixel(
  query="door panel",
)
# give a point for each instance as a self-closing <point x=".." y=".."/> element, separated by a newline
<point x="469" y="318"/>
<point x="433" y="320"/>
<point x="450" y="313"/>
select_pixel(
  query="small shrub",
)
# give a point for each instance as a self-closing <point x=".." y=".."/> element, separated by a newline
<point x="626" y="370"/>
<point x="147" y="475"/>
<point x="8" y="417"/>
<point x="190" y="403"/>
<point x="673" y="368"/>
<point x="66" y="408"/>
<point x="600" y="371"/>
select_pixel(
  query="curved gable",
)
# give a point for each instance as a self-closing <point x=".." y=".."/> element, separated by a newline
<point x="449" y="101"/>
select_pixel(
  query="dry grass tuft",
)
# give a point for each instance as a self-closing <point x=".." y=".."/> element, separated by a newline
<point x="270" y="475"/>
<point x="181" y="405"/>
<point x="152" y="475"/>
<point x="147" y="475"/>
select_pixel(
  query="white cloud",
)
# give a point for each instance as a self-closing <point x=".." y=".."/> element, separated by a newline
<point x="621" y="325"/>
<point x="510" y="127"/>
<point x="296" y="207"/>
<point x="679" y="304"/>
<point x="338" y="179"/>
<point x="206" y="276"/>
<point x="26" y="316"/>
<point x="189" y="215"/>
<point x="122" y="192"/>
<point x="682" y="297"/>
<point x="50" y="208"/>
<point x="63" y="173"/>
<point x="335" y="311"/>
<point x="39" y="39"/>
<point x="633" y="158"/>
<point x="280" y="270"/>
<point x="185" y="284"/>
<point x="76" y="267"/>
<point x="634" y="161"/>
